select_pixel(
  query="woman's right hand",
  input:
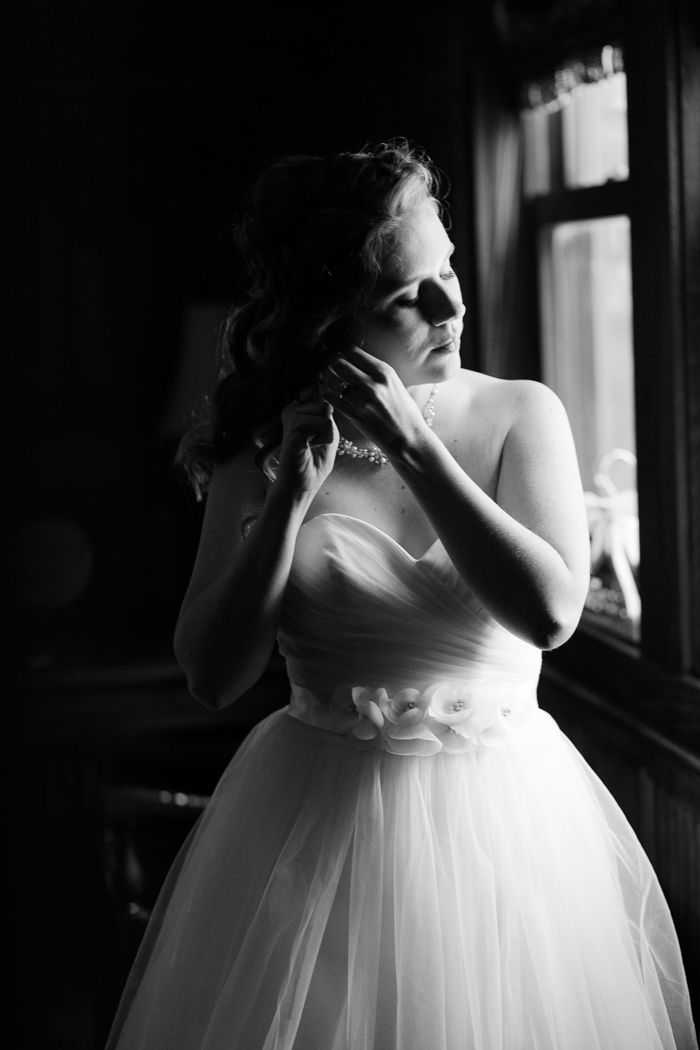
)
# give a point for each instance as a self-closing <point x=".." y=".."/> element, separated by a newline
<point x="227" y="626"/>
<point x="309" y="442"/>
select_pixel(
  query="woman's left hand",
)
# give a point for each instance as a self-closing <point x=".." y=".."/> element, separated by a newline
<point x="370" y="394"/>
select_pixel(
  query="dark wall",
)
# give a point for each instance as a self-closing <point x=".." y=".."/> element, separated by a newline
<point x="135" y="129"/>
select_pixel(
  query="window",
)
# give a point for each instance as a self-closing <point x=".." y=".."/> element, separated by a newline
<point x="575" y="167"/>
<point x="608" y="222"/>
<point x="580" y="137"/>
<point x="586" y="323"/>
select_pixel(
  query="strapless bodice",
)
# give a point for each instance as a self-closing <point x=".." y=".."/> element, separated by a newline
<point x="378" y="642"/>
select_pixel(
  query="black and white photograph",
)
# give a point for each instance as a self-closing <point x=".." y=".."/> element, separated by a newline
<point x="352" y="571"/>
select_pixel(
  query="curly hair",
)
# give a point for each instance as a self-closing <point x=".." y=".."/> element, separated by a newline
<point x="312" y="243"/>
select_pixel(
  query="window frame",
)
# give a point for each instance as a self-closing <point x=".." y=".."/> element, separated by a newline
<point x="658" y="680"/>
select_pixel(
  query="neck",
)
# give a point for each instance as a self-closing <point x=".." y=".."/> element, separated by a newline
<point x="350" y="430"/>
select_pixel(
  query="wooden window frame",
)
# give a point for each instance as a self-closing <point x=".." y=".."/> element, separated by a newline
<point x="657" y="684"/>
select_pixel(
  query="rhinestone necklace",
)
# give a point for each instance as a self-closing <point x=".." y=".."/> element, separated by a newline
<point x="375" y="455"/>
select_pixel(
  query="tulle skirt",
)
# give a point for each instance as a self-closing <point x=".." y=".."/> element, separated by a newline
<point x="336" y="899"/>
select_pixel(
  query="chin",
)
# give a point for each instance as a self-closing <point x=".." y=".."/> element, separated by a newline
<point x="436" y="367"/>
<point x="439" y="367"/>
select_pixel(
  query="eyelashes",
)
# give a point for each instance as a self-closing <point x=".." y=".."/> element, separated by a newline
<point x="414" y="302"/>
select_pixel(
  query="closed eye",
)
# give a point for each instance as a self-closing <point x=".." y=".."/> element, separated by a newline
<point x="447" y="276"/>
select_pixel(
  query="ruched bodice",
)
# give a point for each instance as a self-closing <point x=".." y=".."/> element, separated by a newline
<point x="361" y="614"/>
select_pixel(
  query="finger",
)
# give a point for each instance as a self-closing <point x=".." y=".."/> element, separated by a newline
<point x="325" y="436"/>
<point x="335" y="384"/>
<point x="350" y="373"/>
<point x="318" y="408"/>
<point x="341" y="403"/>
<point x="373" y="366"/>
<point x="321" y="432"/>
<point x="328" y="376"/>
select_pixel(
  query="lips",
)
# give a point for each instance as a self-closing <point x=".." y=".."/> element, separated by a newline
<point x="446" y="348"/>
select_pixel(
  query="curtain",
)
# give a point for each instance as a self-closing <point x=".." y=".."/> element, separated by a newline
<point x="498" y="166"/>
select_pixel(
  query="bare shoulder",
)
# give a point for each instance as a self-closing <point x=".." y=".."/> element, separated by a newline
<point x="479" y="414"/>
<point x="513" y="396"/>
<point x="526" y="395"/>
<point x="497" y="406"/>
<point x="486" y="406"/>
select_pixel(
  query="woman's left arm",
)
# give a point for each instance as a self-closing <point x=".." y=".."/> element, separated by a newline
<point x="524" y="554"/>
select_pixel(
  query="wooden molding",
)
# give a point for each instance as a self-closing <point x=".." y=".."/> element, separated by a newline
<point x="590" y="202"/>
<point x="630" y="686"/>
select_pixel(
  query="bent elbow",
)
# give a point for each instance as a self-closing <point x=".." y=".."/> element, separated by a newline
<point x="203" y="690"/>
<point x="216" y="693"/>
<point x="210" y="695"/>
<point x="542" y="632"/>
<point x="555" y="637"/>
<point x="200" y="687"/>
<point x="558" y="614"/>
<point x="556" y="629"/>
<point x="204" y="696"/>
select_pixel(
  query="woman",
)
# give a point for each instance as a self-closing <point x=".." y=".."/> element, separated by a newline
<point x="416" y="859"/>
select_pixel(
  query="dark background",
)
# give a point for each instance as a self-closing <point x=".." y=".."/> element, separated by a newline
<point x="133" y="132"/>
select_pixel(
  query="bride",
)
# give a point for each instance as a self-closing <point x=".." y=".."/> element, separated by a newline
<point x="410" y="856"/>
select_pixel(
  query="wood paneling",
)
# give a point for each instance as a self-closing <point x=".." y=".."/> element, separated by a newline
<point x="656" y="782"/>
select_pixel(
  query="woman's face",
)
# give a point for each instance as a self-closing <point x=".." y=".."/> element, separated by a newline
<point x="414" y="321"/>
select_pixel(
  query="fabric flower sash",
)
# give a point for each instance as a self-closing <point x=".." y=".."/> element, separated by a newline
<point x="449" y="716"/>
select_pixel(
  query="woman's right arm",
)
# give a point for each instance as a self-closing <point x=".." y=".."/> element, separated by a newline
<point x="227" y="626"/>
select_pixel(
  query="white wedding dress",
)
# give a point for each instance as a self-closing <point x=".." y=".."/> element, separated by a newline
<point x="411" y="856"/>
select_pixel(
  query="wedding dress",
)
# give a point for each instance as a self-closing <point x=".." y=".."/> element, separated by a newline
<point x="411" y="856"/>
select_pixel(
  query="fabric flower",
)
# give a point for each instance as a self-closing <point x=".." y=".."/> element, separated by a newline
<point x="476" y="711"/>
<point x="452" y="716"/>
<point x="392" y="723"/>
<point x="405" y="732"/>
<point x="468" y="706"/>
<point x="367" y="703"/>
<point x="495" y="734"/>
<point x="407" y="708"/>
<point x="450" y="739"/>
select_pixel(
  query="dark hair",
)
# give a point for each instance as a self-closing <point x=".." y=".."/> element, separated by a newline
<point x="312" y="242"/>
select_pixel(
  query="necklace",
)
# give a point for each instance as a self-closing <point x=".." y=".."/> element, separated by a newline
<point x="375" y="455"/>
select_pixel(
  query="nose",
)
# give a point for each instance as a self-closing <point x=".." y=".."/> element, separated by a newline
<point x="446" y="305"/>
